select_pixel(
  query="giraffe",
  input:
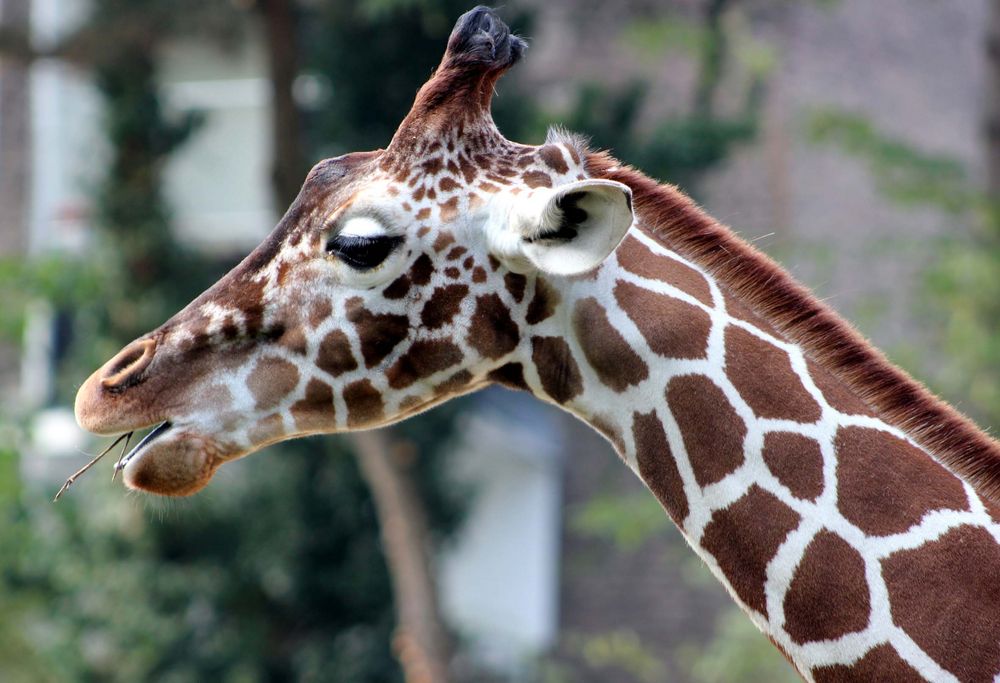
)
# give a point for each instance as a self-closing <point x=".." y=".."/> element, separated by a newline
<point x="850" y="513"/>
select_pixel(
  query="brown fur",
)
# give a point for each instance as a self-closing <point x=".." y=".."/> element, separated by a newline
<point x="769" y="291"/>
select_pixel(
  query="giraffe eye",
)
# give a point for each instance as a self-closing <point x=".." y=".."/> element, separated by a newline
<point x="362" y="252"/>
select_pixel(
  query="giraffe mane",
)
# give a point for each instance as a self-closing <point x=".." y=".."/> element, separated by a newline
<point x="760" y="283"/>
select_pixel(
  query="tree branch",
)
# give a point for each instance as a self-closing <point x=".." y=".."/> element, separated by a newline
<point x="420" y="643"/>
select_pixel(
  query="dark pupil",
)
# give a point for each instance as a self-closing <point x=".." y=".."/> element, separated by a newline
<point x="362" y="253"/>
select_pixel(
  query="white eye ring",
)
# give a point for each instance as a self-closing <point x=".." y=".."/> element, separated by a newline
<point x="362" y="226"/>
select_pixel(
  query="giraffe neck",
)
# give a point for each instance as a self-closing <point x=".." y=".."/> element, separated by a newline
<point x="829" y="526"/>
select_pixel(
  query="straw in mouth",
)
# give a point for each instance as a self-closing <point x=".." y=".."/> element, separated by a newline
<point x="73" y="477"/>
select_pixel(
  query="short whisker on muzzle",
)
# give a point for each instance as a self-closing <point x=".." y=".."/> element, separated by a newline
<point x="73" y="477"/>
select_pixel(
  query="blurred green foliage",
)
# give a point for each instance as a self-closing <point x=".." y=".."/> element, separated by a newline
<point x="736" y="655"/>
<point x="960" y="305"/>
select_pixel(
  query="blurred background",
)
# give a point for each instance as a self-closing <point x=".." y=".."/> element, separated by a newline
<point x="147" y="145"/>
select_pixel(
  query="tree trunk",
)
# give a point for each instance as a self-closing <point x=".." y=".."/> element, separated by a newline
<point x="420" y="642"/>
<point x="288" y="163"/>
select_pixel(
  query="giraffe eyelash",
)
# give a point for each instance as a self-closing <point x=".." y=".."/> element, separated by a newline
<point x="363" y="252"/>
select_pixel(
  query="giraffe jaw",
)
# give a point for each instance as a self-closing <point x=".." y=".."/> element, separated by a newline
<point x="172" y="461"/>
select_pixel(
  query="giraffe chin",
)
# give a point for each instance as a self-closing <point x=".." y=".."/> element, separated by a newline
<point x="172" y="465"/>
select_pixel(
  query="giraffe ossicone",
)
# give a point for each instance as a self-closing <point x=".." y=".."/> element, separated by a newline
<point x="849" y="512"/>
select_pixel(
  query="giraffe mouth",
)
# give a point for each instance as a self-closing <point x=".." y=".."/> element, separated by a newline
<point x="138" y="448"/>
<point x="173" y="460"/>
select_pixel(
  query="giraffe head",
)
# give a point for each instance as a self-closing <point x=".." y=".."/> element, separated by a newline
<point x="394" y="282"/>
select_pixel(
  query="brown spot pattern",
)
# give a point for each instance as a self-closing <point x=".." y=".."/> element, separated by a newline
<point x="316" y="408"/>
<point x="449" y="210"/>
<point x="515" y="285"/>
<point x="879" y="664"/>
<point x="637" y="258"/>
<point x="335" y="356"/>
<point x="443" y="305"/>
<point x="294" y="339"/>
<point x="828" y="596"/>
<point x="379" y="332"/>
<point x="763" y="375"/>
<point x="657" y="465"/>
<point x="421" y="271"/>
<point x="422" y="359"/>
<point x="556" y="368"/>
<point x="537" y="179"/>
<point x="271" y="380"/>
<point x="319" y="311"/>
<point x="671" y="327"/>
<point x="267" y="429"/>
<point x="925" y="585"/>
<point x="364" y="404"/>
<point x="713" y="433"/>
<point x="493" y="333"/>
<point x="553" y="158"/>
<point x="457" y="382"/>
<point x="835" y="392"/>
<point x="443" y="241"/>
<point x="796" y="461"/>
<point x="543" y="303"/>
<point x="399" y="288"/>
<point x="743" y="546"/>
<point x="510" y="375"/>
<point x="616" y="363"/>
<point x="885" y="485"/>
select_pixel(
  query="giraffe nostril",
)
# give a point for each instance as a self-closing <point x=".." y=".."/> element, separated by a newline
<point x="125" y="369"/>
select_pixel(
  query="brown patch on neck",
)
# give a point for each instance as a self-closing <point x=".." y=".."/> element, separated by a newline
<point x="885" y="485"/>
<point x="882" y="663"/>
<point x="946" y="596"/>
<point x="515" y="284"/>
<point x="510" y="375"/>
<point x="828" y="597"/>
<point x="635" y="257"/>
<point x="556" y="368"/>
<point x="543" y="303"/>
<point x="616" y="363"/>
<point x="796" y="461"/>
<point x="671" y="327"/>
<point x="743" y="539"/>
<point x="763" y="375"/>
<point x="769" y="291"/>
<point x="657" y="465"/>
<point x="713" y="433"/>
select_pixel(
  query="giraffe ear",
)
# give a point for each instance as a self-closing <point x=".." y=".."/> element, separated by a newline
<point x="572" y="228"/>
